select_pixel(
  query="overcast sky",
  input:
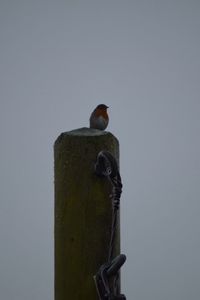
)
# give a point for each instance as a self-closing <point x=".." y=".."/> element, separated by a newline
<point x="58" y="60"/>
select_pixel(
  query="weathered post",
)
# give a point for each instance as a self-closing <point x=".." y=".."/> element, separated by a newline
<point x="83" y="212"/>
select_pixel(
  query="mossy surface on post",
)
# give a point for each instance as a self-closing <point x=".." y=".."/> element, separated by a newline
<point x="83" y="212"/>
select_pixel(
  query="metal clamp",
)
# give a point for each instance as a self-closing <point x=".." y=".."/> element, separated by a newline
<point x="106" y="279"/>
<point x="103" y="276"/>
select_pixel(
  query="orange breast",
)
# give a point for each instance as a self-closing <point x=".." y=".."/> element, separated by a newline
<point x="102" y="112"/>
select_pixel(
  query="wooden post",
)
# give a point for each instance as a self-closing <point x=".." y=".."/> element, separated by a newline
<point x="83" y="212"/>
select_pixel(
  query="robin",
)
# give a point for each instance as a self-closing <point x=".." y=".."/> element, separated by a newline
<point x="99" y="118"/>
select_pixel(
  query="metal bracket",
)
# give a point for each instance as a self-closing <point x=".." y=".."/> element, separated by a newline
<point x="103" y="276"/>
<point x="108" y="274"/>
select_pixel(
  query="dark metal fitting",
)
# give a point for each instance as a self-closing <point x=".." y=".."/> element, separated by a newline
<point x="102" y="279"/>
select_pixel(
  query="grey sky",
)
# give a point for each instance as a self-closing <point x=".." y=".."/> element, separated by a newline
<point x="58" y="60"/>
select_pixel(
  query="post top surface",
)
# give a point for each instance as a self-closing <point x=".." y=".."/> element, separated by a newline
<point x="84" y="132"/>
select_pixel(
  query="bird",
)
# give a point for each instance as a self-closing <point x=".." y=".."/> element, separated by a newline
<point x="99" y="118"/>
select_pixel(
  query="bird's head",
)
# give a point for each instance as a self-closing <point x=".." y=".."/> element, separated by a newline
<point x="102" y="107"/>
